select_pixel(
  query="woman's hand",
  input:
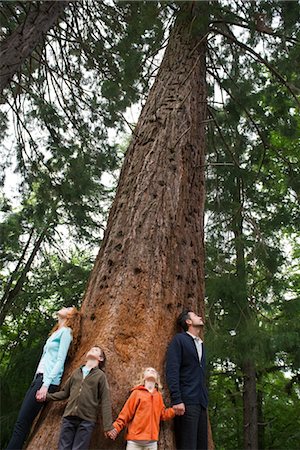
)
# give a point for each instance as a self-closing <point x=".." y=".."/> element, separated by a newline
<point x="41" y="394"/>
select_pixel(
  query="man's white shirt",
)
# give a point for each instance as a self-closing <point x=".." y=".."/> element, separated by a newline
<point x="198" y="343"/>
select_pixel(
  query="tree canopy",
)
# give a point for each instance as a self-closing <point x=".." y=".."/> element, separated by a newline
<point x="61" y="111"/>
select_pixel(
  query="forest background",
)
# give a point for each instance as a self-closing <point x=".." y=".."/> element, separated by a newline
<point x="65" y="128"/>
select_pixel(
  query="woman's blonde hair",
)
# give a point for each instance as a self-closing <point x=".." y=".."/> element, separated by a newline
<point x="73" y="321"/>
<point x="141" y="379"/>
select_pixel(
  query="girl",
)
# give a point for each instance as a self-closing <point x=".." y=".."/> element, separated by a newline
<point x="49" y="372"/>
<point x="142" y="414"/>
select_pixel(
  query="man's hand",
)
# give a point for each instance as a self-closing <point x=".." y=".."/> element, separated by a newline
<point x="41" y="394"/>
<point x="112" y="434"/>
<point x="179" y="409"/>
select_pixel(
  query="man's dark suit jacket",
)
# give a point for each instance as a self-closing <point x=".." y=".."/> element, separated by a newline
<point x="185" y="374"/>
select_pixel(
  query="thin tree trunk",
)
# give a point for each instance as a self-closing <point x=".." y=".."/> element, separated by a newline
<point x="151" y="262"/>
<point x="10" y="295"/>
<point x="248" y="366"/>
<point x="13" y="275"/>
<point x="250" y="407"/>
<point x="260" y="420"/>
<point x="41" y="17"/>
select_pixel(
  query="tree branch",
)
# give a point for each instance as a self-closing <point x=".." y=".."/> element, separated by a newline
<point x="255" y="55"/>
<point x="21" y="43"/>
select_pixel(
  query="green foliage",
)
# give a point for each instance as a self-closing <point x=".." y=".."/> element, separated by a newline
<point x="56" y="282"/>
<point x="281" y="413"/>
<point x="94" y="64"/>
<point x="253" y="221"/>
<point x="280" y="426"/>
<point x="76" y="84"/>
<point x="226" y="410"/>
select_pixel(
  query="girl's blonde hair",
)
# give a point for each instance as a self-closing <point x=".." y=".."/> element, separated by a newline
<point x="73" y="321"/>
<point x="141" y="379"/>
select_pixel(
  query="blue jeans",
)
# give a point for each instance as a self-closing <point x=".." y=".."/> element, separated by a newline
<point x="191" y="428"/>
<point x="75" y="433"/>
<point x="28" y="412"/>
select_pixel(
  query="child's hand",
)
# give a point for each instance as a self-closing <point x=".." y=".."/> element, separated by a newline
<point x="112" y="434"/>
<point x="179" y="409"/>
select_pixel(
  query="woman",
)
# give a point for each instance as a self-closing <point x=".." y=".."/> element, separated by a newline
<point x="49" y="372"/>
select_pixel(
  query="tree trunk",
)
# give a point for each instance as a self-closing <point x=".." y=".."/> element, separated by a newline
<point x="247" y="365"/>
<point x="10" y="295"/>
<point x="260" y="420"/>
<point x="20" y="44"/>
<point x="151" y="262"/>
<point x="250" y="407"/>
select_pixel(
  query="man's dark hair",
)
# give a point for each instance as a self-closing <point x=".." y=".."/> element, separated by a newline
<point x="182" y="318"/>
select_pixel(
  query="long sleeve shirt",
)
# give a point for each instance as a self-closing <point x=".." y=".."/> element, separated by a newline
<point x="85" y="395"/>
<point x="54" y="355"/>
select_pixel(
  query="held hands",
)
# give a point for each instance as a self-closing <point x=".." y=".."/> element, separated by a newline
<point x="41" y="394"/>
<point x="179" y="409"/>
<point x="112" y="434"/>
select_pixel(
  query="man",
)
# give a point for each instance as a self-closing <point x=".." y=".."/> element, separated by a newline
<point x="185" y="373"/>
<point x="85" y="390"/>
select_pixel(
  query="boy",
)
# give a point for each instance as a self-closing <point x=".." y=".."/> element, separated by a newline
<point x="85" y="390"/>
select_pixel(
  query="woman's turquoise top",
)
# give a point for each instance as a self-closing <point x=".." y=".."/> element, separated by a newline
<point x="54" y="356"/>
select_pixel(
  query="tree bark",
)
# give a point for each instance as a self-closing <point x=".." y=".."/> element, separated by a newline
<point x="151" y="262"/>
<point x="250" y="407"/>
<point x="41" y="17"/>
<point x="250" y="419"/>
<point x="260" y="420"/>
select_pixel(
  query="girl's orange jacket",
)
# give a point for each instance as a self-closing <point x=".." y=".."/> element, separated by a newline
<point x="142" y="414"/>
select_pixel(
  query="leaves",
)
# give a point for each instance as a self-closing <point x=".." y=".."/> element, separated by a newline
<point x="75" y="86"/>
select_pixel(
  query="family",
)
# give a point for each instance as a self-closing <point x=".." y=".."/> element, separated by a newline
<point x="87" y="389"/>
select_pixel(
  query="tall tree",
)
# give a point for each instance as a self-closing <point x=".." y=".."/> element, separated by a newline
<point x="60" y="118"/>
<point x="252" y="204"/>
<point x="150" y="264"/>
<point x="176" y="220"/>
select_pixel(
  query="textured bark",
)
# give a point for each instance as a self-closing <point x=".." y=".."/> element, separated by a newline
<point x="151" y="262"/>
<point x="21" y="43"/>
